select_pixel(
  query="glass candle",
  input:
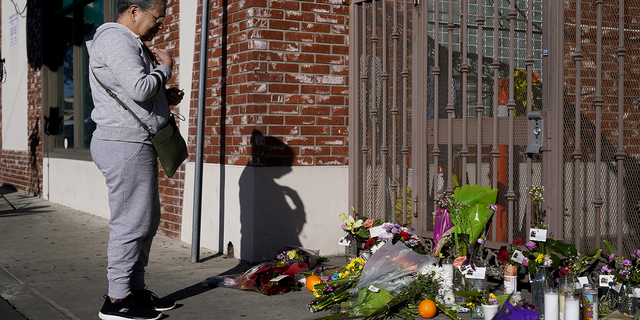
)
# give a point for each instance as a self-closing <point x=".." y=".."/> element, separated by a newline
<point x="551" y="310"/>
<point x="571" y="305"/>
<point x="447" y="265"/>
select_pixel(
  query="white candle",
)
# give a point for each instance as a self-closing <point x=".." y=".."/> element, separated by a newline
<point x="448" y="268"/>
<point x="551" y="304"/>
<point x="572" y="307"/>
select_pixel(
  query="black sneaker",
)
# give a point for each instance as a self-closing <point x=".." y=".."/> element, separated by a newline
<point x="149" y="299"/>
<point x="127" y="309"/>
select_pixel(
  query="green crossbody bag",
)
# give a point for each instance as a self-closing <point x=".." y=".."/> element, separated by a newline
<point x="168" y="142"/>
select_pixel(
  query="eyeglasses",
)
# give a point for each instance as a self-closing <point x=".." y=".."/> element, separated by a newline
<point x="158" y="20"/>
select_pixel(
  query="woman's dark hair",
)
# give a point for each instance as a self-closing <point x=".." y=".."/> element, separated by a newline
<point x="123" y="5"/>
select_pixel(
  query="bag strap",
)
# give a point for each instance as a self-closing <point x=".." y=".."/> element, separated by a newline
<point x="113" y="95"/>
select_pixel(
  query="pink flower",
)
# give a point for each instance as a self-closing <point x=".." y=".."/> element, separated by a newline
<point x="525" y="262"/>
<point x="368" y="223"/>
<point x="530" y="245"/>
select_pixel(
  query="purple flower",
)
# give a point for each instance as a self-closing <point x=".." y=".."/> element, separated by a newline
<point x="480" y="241"/>
<point x="625" y="263"/>
<point x="384" y="237"/>
<point x="606" y="269"/>
<point x="343" y="225"/>
<point x="636" y="253"/>
<point x="612" y="257"/>
<point x="525" y="262"/>
<point x="530" y="245"/>
<point x="624" y="272"/>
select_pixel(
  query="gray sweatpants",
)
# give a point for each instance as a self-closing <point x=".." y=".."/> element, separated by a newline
<point x="131" y="172"/>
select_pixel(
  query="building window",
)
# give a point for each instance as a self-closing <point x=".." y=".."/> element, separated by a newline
<point x="66" y="57"/>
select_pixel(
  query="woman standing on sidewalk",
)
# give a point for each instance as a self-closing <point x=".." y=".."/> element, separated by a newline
<point x="120" y="147"/>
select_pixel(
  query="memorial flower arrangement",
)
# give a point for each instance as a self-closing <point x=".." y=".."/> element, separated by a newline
<point x="469" y="209"/>
<point x="293" y="255"/>
<point x="394" y="233"/>
<point x="358" y="230"/>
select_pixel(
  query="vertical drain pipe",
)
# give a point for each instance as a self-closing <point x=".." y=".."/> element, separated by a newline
<point x="197" y="197"/>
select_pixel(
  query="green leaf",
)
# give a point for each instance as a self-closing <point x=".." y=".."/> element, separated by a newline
<point x="610" y="247"/>
<point x="479" y="198"/>
<point x="565" y="249"/>
<point x="469" y="293"/>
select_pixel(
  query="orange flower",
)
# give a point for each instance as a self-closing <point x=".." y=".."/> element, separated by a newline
<point x="510" y="270"/>
<point x="459" y="261"/>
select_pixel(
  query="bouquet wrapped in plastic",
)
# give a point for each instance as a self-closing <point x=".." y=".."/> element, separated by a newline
<point x="264" y="278"/>
<point x="391" y="269"/>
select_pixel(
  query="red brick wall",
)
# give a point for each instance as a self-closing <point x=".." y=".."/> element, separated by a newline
<point x="23" y="169"/>
<point x="287" y="66"/>
<point x="171" y="190"/>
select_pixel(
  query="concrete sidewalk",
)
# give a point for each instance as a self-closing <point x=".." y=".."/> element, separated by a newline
<point x="53" y="267"/>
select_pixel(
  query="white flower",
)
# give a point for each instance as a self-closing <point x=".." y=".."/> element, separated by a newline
<point x="376" y="247"/>
<point x="449" y="299"/>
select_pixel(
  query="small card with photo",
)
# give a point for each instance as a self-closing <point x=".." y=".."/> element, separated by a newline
<point x="606" y="280"/>
<point x="344" y="242"/>
<point x="517" y="256"/>
<point x="538" y="235"/>
<point x="479" y="273"/>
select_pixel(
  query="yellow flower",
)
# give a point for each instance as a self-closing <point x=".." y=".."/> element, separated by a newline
<point x="291" y="254"/>
<point x="470" y="304"/>
<point x="540" y="258"/>
<point x="440" y="255"/>
<point x="493" y="296"/>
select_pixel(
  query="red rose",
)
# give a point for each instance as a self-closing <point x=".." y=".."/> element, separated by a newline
<point x="404" y="235"/>
<point x="564" y="271"/>
<point x="503" y="255"/>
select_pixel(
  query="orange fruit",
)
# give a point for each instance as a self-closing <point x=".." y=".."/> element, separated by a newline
<point x="427" y="309"/>
<point x="311" y="281"/>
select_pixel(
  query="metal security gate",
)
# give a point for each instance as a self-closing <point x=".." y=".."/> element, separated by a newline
<point x="505" y="93"/>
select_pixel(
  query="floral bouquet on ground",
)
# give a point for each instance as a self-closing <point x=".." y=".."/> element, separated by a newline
<point x="264" y="278"/>
<point x="336" y="289"/>
<point x="387" y="273"/>
<point x="294" y="255"/>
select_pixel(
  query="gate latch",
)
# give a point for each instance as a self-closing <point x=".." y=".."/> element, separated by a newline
<point x="537" y="131"/>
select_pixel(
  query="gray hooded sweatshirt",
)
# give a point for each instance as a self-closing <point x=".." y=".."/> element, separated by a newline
<point x="117" y="58"/>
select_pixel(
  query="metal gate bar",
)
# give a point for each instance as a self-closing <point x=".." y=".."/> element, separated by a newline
<point x="620" y="154"/>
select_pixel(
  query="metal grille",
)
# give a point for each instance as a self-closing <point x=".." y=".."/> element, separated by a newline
<point x="476" y="122"/>
<point x="440" y="97"/>
<point x="381" y="32"/>
<point x="601" y="137"/>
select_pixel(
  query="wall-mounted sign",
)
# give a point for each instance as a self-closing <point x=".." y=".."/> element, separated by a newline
<point x="13" y="28"/>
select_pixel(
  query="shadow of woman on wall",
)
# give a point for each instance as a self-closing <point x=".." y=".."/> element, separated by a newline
<point x="272" y="215"/>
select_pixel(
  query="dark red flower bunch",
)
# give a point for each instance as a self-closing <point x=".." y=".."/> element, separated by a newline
<point x="371" y="242"/>
<point x="503" y="255"/>
<point x="564" y="271"/>
<point x="404" y="235"/>
<point x="517" y="242"/>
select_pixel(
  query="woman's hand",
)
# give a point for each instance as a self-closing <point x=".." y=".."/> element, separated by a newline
<point x="174" y="96"/>
<point x="163" y="56"/>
